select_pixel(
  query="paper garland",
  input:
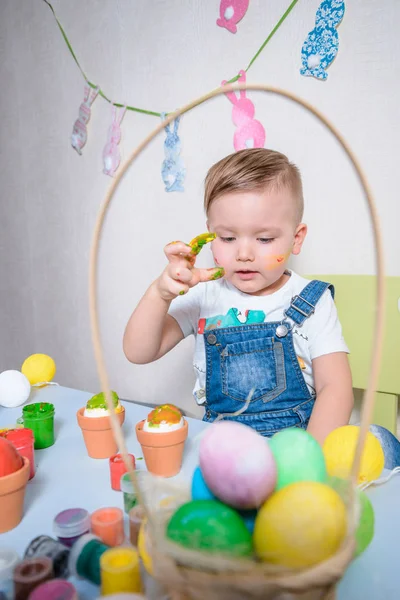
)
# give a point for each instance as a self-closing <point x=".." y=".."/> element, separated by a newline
<point x="111" y="153"/>
<point x="231" y="12"/>
<point x="322" y="43"/>
<point x="79" y="131"/>
<point x="249" y="133"/>
<point x="172" y="170"/>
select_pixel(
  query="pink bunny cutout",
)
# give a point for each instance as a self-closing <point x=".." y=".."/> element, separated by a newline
<point x="79" y="131"/>
<point x="249" y="133"/>
<point x="231" y="12"/>
<point x="111" y="153"/>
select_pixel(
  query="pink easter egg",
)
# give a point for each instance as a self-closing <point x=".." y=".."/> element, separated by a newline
<point x="237" y="464"/>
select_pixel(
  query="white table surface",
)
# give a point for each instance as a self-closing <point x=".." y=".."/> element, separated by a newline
<point x="66" y="477"/>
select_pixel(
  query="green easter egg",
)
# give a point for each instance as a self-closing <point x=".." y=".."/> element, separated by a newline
<point x="210" y="525"/>
<point x="298" y="457"/>
<point x="365" y="529"/>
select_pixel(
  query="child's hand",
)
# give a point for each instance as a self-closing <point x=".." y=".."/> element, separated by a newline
<point x="180" y="273"/>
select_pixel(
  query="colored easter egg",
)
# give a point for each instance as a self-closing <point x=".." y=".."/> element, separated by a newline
<point x="300" y="525"/>
<point x="237" y="464"/>
<point x="14" y="388"/>
<point x="200" y="490"/>
<point x="366" y="522"/>
<point x="10" y="459"/>
<point x="298" y="457"/>
<point x="339" y="449"/>
<point x="38" y="368"/>
<point x="366" y="525"/>
<point x="210" y="525"/>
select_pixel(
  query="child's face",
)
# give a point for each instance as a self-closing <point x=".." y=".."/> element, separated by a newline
<point x="256" y="234"/>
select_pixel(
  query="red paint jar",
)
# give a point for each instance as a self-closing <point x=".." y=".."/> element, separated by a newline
<point x="22" y="439"/>
<point x="117" y="469"/>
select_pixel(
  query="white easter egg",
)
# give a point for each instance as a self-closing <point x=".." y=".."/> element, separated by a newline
<point x="14" y="388"/>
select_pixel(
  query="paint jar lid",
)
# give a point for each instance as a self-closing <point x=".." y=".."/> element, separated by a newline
<point x="71" y="522"/>
<point x="56" y="589"/>
<point x="8" y="561"/>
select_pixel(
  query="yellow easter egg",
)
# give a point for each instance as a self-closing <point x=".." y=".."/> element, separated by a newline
<point x="339" y="449"/>
<point x="301" y="525"/>
<point x="39" y="368"/>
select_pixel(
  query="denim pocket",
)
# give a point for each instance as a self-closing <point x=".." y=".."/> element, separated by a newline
<point x="258" y="364"/>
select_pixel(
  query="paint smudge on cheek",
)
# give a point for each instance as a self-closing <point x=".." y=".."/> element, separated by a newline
<point x="274" y="261"/>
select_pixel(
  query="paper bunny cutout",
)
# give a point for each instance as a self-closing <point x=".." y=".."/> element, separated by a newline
<point x="79" y="131"/>
<point x="322" y="43"/>
<point x="249" y="133"/>
<point x="231" y="12"/>
<point x="173" y="170"/>
<point x="111" y="153"/>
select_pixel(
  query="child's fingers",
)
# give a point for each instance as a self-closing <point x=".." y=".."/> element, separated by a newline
<point x="176" y="249"/>
<point x="180" y="272"/>
<point x="177" y="288"/>
<point x="210" y="274"/>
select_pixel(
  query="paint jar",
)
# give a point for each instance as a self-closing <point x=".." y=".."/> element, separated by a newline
<point x="30" y="573"/>
<point x="120" y="571"/>
<point x="23" y="440"/>
<point x="121" y="596"/>
<point x="129" y="494"/>
<point x="57" y="589"/>
<point x="40" y="418"/>
<point x="8" y="561"/>
<point x="108" y="525"/>
<point x="84" y="559"/>
<point x="70" y="524"/>
<point x="43" y="545"/>
<point x="136" y="516"/>
<point x="117" y="469"/>
<point x="152" y="589"/>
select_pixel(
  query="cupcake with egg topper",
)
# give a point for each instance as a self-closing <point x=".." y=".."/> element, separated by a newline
<point x="94" y="420"/>
<point x="162" y="436"/>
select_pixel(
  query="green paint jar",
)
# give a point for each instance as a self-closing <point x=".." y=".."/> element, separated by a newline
<point x="130" y="499"/>
<point x="39" y="417"/>
<point x="84" y="558"/>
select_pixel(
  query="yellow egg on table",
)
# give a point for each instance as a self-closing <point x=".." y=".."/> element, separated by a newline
<point x="39" y="368"/>
<point x="339" y="449"/>
<point x="300" y="525"/>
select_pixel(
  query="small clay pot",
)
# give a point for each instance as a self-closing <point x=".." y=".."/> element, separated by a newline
<point x="162" y="452"/>
<point x="12" y="495"/>
<point x="98" y="434"/>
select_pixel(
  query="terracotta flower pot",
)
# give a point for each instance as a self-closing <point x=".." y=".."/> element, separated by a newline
<point x="12" y="494"/>
<point x="162" y="452"/>
<point x="98" y="435"/>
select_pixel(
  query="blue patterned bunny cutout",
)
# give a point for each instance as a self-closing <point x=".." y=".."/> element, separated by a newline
<point x="173" y="170"/>
<point x="322" y="43"/>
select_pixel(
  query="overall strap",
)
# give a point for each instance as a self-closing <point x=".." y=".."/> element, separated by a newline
<point x="303" y="305"/>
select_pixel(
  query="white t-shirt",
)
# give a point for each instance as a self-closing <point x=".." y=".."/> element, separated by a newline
<point x="219" y="304"/>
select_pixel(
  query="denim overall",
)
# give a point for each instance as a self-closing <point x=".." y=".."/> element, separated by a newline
<point x="262" y="358"/>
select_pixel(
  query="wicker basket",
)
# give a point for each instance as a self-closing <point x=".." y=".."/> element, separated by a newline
<point x="194" y="575"/>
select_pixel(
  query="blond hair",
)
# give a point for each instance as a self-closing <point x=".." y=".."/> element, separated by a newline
<point x="254" y="169"/>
